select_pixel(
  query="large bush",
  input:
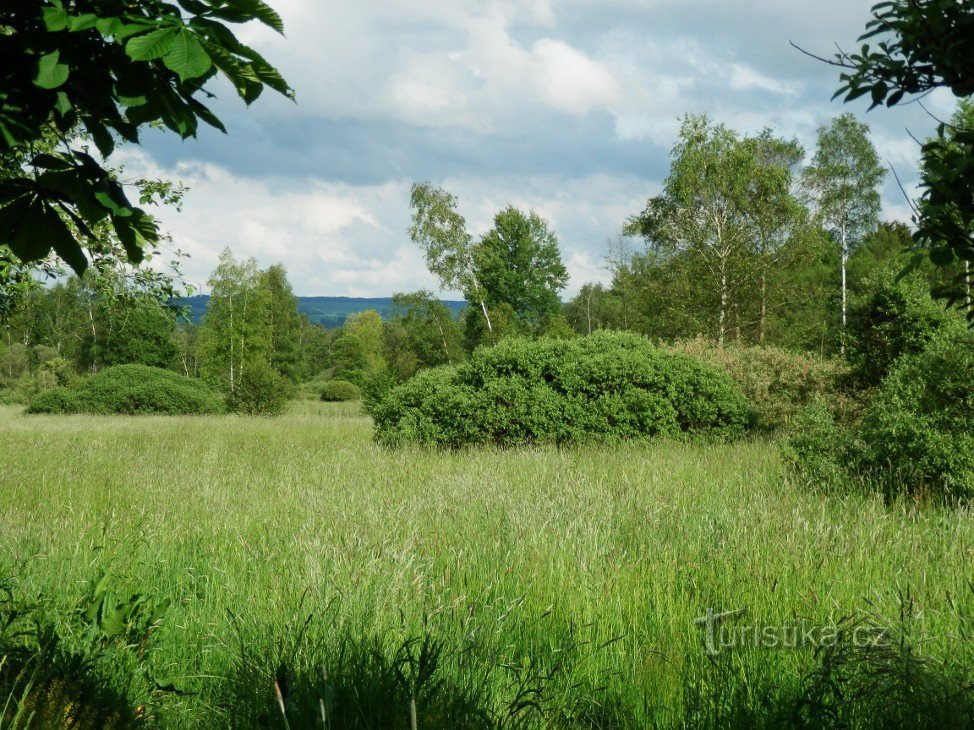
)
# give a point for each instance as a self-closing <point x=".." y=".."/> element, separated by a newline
<point x="892" y="319"/>
<point x="777" y="383"/>
<point x="260" y="391"/>
<point x="339" y="391"/>
<point x="918" y="427"/>
<point x="607" y="386"/>
<point x="130" y="389"/>
<point x="916" y="436"/>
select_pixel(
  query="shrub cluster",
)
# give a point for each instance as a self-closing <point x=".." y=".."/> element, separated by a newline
<point x="259" y="391"/>
<point x="339" y="391"/>
<point x="915" y="436"/>
<point x="131" y="390"/>
<point x="607" y="386"/>
<point x="892" y="319"/>
<point x="778" y="384"/>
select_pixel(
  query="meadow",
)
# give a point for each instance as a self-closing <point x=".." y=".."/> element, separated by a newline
<point x="289" y="572"/>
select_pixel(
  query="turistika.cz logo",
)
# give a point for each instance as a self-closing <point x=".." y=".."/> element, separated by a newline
<point x="720" y="632"/>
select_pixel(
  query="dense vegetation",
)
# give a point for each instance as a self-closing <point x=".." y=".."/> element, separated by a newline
<point x="131" y="390"/>
<point x="602" y="387"/>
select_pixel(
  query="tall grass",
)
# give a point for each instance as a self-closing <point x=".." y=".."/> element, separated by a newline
<point x="316" y="579"/>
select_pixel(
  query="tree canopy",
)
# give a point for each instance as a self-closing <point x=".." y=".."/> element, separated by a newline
<point x="108" y="68"/>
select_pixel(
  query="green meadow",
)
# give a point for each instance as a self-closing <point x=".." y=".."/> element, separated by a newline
<point x="291" y="573"/>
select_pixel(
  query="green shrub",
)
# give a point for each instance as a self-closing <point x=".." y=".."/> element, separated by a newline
<point x="890" y="320"/>
<point x="260" y="391"/>
<point x="339" y="391"/>
<point x="915" y="436"/>
<point x="131" y="390"/>
<point x="917" y="431"/>
<point x="606" y="386"/>
<point x="818" y="447"/>
<point x="778" y="384"/>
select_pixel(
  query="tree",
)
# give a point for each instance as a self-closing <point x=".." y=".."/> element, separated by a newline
<point x="518" y="262"/>
<point x="442" y="233"/>
<point x="925" y="45"/>
<point x="775" y="219"/>
<point x="109" y="68"/>
<point x="431" y="332"/>
<point x="236" y="330"/>
<point x="843" y="184"/>
<point x="700" y="215"/>
<point x="943" y="210"/>
<point x="286" y="323"/>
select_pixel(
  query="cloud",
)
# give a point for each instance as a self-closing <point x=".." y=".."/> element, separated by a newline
<point x="567" y="106"/>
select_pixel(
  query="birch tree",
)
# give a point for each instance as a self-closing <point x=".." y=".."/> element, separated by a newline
<point x="843" y="183"/>
<point x="700" y="214"/>
<point x="442" y="233"/>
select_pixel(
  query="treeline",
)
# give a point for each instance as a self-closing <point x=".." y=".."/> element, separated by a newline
<point x="744" y="244"/>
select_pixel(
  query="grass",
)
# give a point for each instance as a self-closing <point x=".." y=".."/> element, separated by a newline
<point x="307" y="577"/>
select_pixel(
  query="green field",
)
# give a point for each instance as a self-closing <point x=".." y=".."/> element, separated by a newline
<point x="535" y="588"/>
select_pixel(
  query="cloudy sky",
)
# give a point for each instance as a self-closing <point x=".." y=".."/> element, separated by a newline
<point x="569" y="107"/>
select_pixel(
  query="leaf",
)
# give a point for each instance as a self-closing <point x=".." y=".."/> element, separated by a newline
<point x="82" y="22"/>
<point x="55" y="19"/>
<point x="187" y="57"/>
<point x="268" y="16"/>
<point x="150" y="46"/>
<point x="50" y="72"/>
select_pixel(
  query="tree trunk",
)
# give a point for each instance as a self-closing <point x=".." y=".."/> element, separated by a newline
<point x="967" y="286"/>
<point x="764" y="307"/>
<point x="483" y="306"/>
<point x="845" y="258"/>
<point x="722" y="314"/>
<point x="231" y="343"/>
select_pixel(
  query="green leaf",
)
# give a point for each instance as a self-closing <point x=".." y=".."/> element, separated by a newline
<point x="150" y="46"/>
<point x="50" y="73"/>
<point x="82" y="22"/>
<point x="109" y="26"/>
<point x="187" y="57"/>
<point x="131" y="101"/>
<point x="55" y="19"/>
<point x="268" y="16"/>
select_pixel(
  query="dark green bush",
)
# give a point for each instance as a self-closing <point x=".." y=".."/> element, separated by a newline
<point x="918" y="427"/>
<point x="916" y="435"/>
<point x="607" y="386"/>
<point x="130" y="390"/>
<point x="260" y="391"/>
<point x="339" y="391"/>
<point x="892" y="319"/>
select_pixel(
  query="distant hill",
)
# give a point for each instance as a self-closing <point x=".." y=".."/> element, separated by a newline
<point x="326" y="311"/>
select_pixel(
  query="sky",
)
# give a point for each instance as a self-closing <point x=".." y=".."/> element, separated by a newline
<point x="567" y="107"/>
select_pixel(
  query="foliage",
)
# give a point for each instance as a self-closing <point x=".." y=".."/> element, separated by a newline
<point x="130" y="390"/>
<point x="518" y="263"/>
<point x="924" y="46"/>
<point x="727" y="217"/>
<point x="891" y="319"/>
<point x="339" y="391"/>
<point x="607" y="386"/>
<point x="917" y="431"/>
<point x="447" y="246"/>
<point x="842" y="183"/>
<point x="260" y="391"/>
<point x="778" y="384"/>
<point x="914" y="437"/>
<point x="111" y="68"/>
<point x="286" y="323"/>
<point x="87" y="666"/>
